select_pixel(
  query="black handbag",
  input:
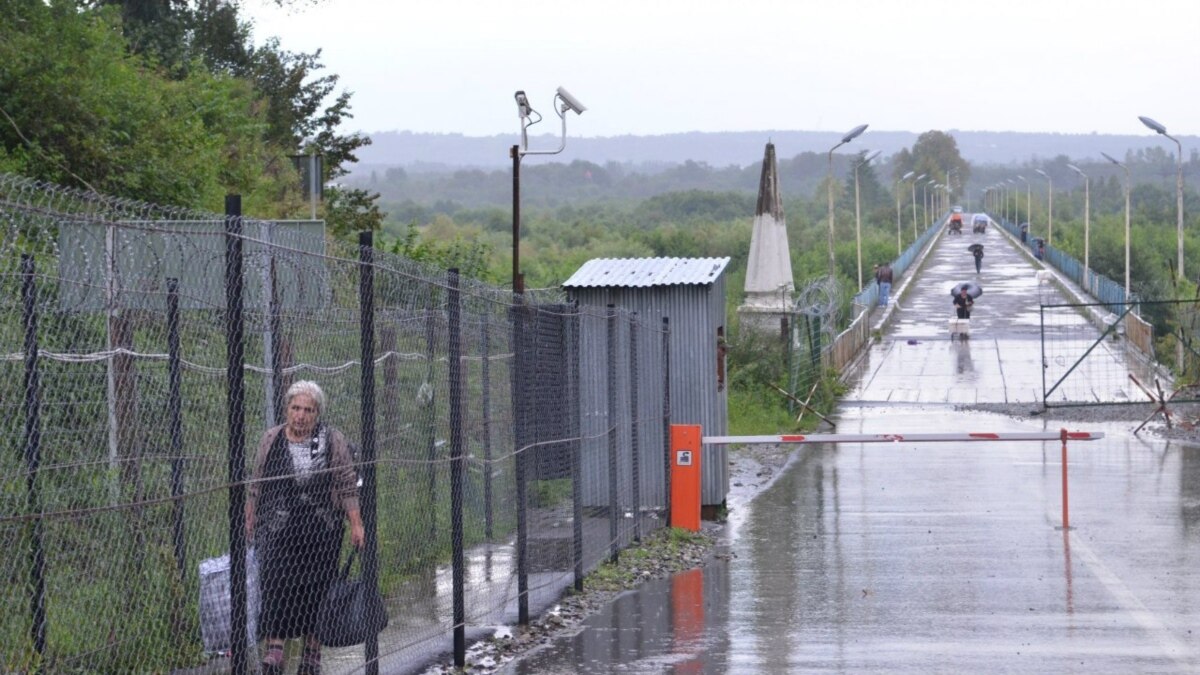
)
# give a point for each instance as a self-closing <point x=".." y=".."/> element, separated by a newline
<point x="351" y="612"/>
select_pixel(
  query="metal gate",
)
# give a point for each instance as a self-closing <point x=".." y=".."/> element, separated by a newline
<point x="1093" y="356"/>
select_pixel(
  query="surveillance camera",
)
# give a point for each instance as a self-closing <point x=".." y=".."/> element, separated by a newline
<point x="523" y="108"/>
<point x="570" y="101"/>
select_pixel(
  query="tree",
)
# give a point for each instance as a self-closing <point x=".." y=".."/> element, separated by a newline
<point x="935" y="154"/>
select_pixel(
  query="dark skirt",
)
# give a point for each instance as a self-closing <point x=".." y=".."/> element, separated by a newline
<point x="298" y="561"/>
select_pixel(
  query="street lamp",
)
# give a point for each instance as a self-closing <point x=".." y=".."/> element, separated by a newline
<point x="1049" y="206"/>
<point x="1012" y="192"/>
<point x="1087" y="221"/>
<point x="899" y="237"/>
<point x="1028" y="203"/>
<point x="850" y="135"/>
<point x="563" y="101"/>
<point x="1109" y="158"/>
<point x="925" y="200"/>
<point x="858" y="218"/>
<point x="1178" y="187"/>
<point x="914" y="203"/>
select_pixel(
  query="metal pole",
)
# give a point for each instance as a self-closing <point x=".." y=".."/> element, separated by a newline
<point x="829" y="191"/>
<point x="1127" y="188"/>
<point x="517" y="282"/>
<point x="858" y="227"/>
<point x="1066" y="515"/>
<point x="520" y="451"/>
<point x="457" y="458"/>
<point x="485" y="390"/>
<point x="666" y="416"/>
<point x="899" y="237"/>
<point x="614" y="509"/>
<point x="236" y="411"/>
<point x="1179" y="206"/>
<point x="634" y="446"/>
<point x="1087" y="231"/>
<point x="33" y="458"/>
<point x="366" y="309"/>
<point x="576" y="445"/>
<point x="914" y="208"/>
<point x="175" y="417"/>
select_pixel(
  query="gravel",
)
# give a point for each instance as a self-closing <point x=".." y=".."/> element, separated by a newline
<point x="752" y="468"/>
<point x="1185" y="417"/>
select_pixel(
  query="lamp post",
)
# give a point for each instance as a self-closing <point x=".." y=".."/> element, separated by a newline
<point x="1049" y="206"/>
<point x="1178" y="187"/>
<point x="850" y="135"/>
<point x="1087" y="221"/>
<point x="1109" y="158"/>
<point x="899" y="237"/>
<point x="1028" y="203"/>
<point x="1012" y="192"/>
<point x="858" y="218"/>
<point x="914" y="203"/>
<point x="925" y="201"/>
<point x="563" y="101"/>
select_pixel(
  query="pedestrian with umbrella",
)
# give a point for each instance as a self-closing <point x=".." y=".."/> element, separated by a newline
<point x="977" y="251"/>
<point x="964" y="298"/>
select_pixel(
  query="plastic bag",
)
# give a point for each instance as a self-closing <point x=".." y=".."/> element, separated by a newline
<point x="216" y="604"/>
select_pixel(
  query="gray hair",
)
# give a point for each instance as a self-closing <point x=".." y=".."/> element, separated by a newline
<point x="310" y="389"/>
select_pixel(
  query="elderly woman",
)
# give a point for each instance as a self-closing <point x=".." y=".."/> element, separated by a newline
<point x="304" y="486"/>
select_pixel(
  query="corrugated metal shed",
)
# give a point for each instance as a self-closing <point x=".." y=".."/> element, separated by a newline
<point x="690" y="292"/>
<point x="646" y="272"/>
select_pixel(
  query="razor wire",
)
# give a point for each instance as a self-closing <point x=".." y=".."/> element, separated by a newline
<point x="114" y="493"/>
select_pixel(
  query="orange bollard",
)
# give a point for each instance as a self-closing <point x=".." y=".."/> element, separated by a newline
<point x="685" y="476"/>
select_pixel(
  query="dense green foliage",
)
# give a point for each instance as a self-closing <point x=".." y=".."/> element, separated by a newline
<point x="169" y="102"/>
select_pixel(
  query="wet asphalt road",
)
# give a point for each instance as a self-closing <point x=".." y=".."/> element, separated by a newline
<point x="937" y="558"/>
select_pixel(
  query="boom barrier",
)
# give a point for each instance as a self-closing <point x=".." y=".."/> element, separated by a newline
<point x="961" y="437"/>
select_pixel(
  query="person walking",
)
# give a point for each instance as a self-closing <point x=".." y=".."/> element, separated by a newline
<point x="1024" y="232"/>
<point x="978" y="253"/>
<point x="303" y="487"/>
<point x="883" y="277"/>
<point x="963" y="303"/>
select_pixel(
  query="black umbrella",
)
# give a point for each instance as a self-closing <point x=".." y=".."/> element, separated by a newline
<point x="975" y="247"/>
<point x="973" y="289"/>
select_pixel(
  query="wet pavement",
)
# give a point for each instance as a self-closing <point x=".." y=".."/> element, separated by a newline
<point x="938" y="557"/>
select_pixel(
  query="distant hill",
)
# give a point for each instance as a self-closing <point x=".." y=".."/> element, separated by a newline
<point x="448" y="152"/>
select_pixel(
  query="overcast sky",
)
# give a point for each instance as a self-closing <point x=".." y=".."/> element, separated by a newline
<point x="666" y="66"/>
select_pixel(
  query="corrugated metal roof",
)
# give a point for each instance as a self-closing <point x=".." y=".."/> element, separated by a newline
<point x="646" y="272"/>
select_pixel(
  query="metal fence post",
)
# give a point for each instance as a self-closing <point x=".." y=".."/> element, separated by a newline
<point x="634" y="446"/>
<point x="519" y="398"/>
<point x="236" y="403"/>
<point x="33" y="458"/>
<point x="175" y="415"/>
<point x="366" y="316"/>
<point x="576" y="444"/>
<point x="454" y="357"/>
<point x="614" y="510"/>
<point x="485" y="392"/>
<point x="666" y="416"/>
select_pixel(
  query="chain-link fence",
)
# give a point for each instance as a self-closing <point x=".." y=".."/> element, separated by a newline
<point x="146" y="350"/>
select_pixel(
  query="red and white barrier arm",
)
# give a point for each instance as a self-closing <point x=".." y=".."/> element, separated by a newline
<point x="963" y="437"/>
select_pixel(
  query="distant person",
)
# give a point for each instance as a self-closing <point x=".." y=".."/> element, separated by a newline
<point x="1024" y="232"/>
<point x="883" y="277"/>
<point x="963" y="303"/>
<point x="978" y="253"/>
<point x="1039" y="251"/>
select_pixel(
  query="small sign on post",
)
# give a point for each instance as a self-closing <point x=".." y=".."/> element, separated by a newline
<point x="685" y="476"/>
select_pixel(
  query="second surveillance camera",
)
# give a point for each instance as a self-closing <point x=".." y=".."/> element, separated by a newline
<point x="522" y="104"/>
<point x="570" y="101"/>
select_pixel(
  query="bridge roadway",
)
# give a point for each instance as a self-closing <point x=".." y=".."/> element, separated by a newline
<point x="937" y="558"/>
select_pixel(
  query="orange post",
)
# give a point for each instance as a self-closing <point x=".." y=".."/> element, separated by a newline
<point x="1066" y="513"/>
<point x="685" y="476"/>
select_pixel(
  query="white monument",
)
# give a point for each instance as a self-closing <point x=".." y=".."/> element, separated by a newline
<point x="769" y="286"/>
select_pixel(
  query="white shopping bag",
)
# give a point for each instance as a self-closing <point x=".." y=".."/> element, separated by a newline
<point x="215" y="602"/>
